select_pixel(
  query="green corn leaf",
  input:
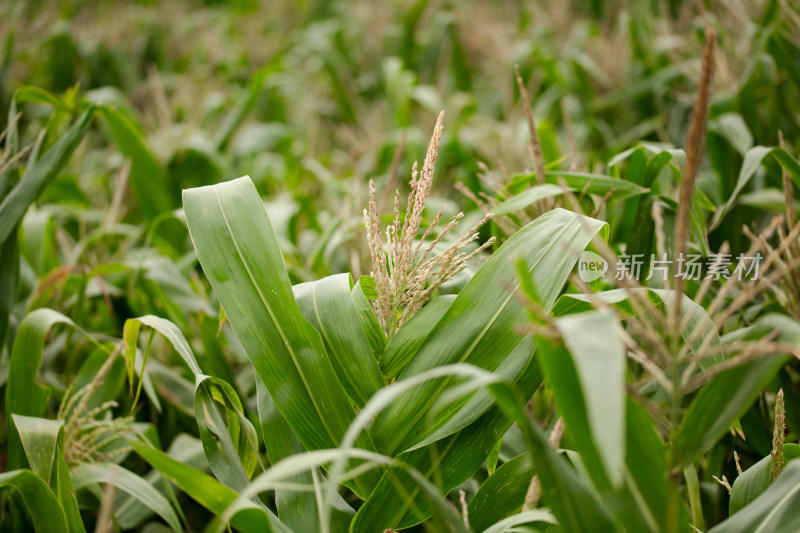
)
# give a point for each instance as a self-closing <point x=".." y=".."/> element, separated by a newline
<point x="296" y="508"/>
<point x="327" y="304"/>
<point x="25" y="395"/>
<point x="38" y="175"/>
<point x="574" y="504"/>
<point x="369" y="320"/>
<point x="240" y="256"/>
<point x="774" y="511"/>
<point x="478" y="327"/>
<point x="510" y="524"/>
<point x="130" y="512"/>
<point x="128" y="482"/>
<point x="586" y="371"/>
<point x="502" y="494"/>
<point x="43" y="443"/>
<point x="229" y="439"/>
<point x="44" y="512"/>
<point x="577" y="182"/>
<point x="529" y="197"/>
<point x="147" y="178"/>
<point x="411" y="335"/>
<point x="207" y="491"/>
<point x="755" y="480"/>
<point x="752" y="160"/>
<point x="646" y="476"/>
<point x="728" y="395"/>
<point x="9" y="272"/>
<point x="399" y="501"/>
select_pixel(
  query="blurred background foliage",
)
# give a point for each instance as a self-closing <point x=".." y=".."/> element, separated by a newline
<point x="312" y="98"/>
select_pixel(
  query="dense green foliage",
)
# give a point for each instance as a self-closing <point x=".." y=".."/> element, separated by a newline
<point x="182" y="350"/>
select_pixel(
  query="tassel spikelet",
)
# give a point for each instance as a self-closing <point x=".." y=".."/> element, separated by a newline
<point x="407" y="270"/>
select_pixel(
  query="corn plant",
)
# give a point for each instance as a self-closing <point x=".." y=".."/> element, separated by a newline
<point x="331" y="347"/>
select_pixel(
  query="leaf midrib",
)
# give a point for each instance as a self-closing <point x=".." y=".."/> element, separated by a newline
<point x="776" y="507"/>
<point x="286" y="341"/>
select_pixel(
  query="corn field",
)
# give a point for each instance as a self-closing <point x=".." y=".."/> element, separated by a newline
<point x="419" y="265"/>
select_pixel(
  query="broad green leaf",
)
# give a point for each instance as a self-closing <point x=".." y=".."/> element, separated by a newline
<point x="478" y="327"/>
<point x="733" y="128"/>
<point x="728" y="395"/>
<point x="129" y="512"/>
<point x="208" y="492"/>
<point x="573" y="503"/>
<point x="586" y="371"/>
<point x="767" y="198"/>
<point x="411" y="335"/>
<point x="239" y="254"/>
<point x="9" y="272"/>
<point x="37" y="95"/>
<point x="166" y="328"/>
<point x="327" y="304"/>
<point x="445" y="518"/>
<point x="529" y="197"/>
<point x="44" y="512"/>
<point x="502" y="493"/>
<point x="469" y="410"/>
<point x="692" y="488"/>
<point x="37" y="240"/>
<point x="646" y="476"/>
<point x="37" y="176"/>
<point x="25" y="395"/>
<point x="598" y="184"/>
<point x="526" y="517"/>
<point x="775" y="511"/>
<point x="128" y="482"/>
<point x="755" y="480"/>
<point x="229" y="439"/>
<point x="752" y="160"/>
<point x="577" y="182"/>
<point x="369" y="320"/>
<point x="450" y="461"/>
<point x="147" y="178"/>
<point x="296" y="508"/>
<point x="39" y="440"/>
<point x="494" y="457"/>
<point x="43" y="444"/>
